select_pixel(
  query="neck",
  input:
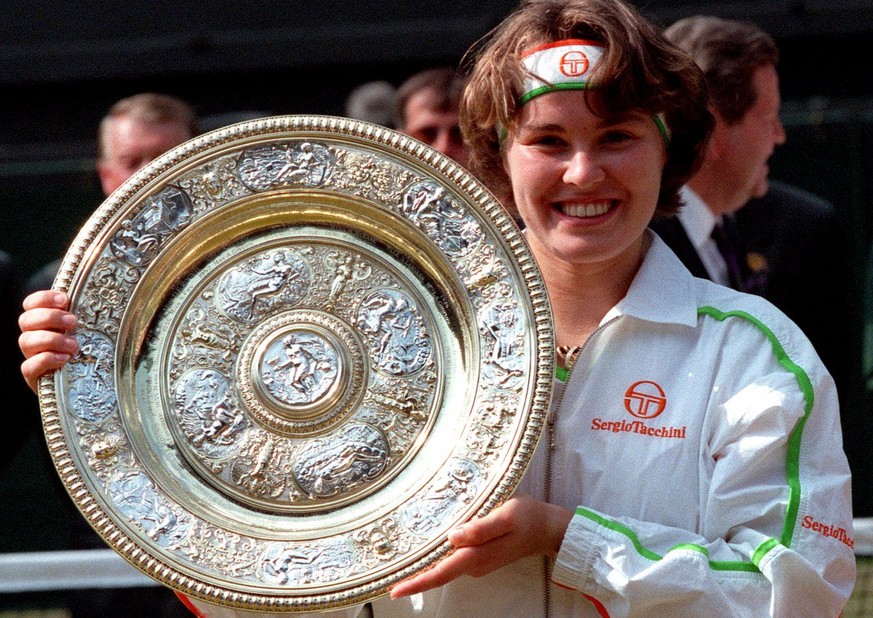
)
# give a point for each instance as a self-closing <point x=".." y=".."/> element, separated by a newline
<point x="719" y="196"/>
<point x="582" y="294"/>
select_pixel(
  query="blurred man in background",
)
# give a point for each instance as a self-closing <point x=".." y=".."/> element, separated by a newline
<point x="134" y="132"/>
<point x="739" y="61"/>
<point x="426" y="107"/>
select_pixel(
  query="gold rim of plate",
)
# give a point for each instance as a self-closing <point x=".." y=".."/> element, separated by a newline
<point x="309" y="347"/>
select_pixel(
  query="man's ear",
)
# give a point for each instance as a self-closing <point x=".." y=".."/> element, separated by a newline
<point x="102" y="173"/>
<point x="716" y="145"/>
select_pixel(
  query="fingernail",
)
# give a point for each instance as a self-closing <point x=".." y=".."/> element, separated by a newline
<point x="60" y="299"/>
<point x="69" y="321"/>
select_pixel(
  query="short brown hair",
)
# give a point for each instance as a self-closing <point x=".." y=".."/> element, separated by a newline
<point x="151" y="108"/>
<point x="640" y="70"/>
<point x="445" y="82"/>
<point x="728" y="51"/>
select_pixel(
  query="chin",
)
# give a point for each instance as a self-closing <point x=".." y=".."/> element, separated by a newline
<point x="760" y="189"/>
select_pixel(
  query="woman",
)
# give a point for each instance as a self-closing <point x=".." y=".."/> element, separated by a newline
<point x="692" y="462"/>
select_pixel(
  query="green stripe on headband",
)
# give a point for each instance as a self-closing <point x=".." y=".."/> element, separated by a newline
<point x="662" y="127"/>
<point x="659" y="121"/>
<point x="551" y="88"/>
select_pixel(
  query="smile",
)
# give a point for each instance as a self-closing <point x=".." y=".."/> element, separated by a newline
<point x="592" y="209"/>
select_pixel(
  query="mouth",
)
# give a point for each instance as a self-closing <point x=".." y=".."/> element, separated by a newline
<point x="587" y="210"/>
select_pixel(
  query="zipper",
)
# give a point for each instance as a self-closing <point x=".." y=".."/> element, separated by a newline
<point x="551" y="421"/>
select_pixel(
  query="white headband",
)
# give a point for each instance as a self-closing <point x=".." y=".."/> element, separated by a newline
<point x="562" y="65"/>
<point x="566" y="65"/>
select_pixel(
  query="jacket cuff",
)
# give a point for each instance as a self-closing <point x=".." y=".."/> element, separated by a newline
<point x="574" y="564"/>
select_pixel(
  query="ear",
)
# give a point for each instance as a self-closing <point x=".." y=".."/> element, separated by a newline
<point x="109" y="177"/>
<point x="717" y="142"/>
<point x="103" y="173"/>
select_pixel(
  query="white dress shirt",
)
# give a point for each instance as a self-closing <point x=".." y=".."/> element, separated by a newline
<point x="699" y="221"/>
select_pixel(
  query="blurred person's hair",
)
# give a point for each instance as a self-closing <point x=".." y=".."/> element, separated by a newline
<point x="444" y="82"/>
<point x="372" y="102"/>
<point x="728" y="52"/>
<point x="149" y="108"/>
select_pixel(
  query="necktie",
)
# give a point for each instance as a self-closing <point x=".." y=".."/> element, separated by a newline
<point x="729" y="253"/>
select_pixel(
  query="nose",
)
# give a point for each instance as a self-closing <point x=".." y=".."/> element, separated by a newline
<point x="583" y="168"/>
<point x="442" y="142"/>
<point x="779" y="136"/>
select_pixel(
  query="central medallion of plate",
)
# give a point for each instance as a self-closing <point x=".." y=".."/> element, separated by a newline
<point x="325" y="378"/>
<point x="298" y="369"/>
<point x="301" y="372"/>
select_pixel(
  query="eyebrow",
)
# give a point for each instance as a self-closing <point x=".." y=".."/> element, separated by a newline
<point x="549" y="126"/>
<point x="604" y="122"/>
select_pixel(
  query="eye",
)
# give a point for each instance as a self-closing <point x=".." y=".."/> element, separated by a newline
<point x="426" y="135"/>
<point x="547" y="140"/>
<point x="618" y="136"/>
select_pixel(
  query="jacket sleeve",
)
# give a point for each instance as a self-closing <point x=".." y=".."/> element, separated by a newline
<point x="775" y="535"/>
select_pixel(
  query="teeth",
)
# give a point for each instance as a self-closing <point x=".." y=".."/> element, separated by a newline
<point x="585" y="210"/>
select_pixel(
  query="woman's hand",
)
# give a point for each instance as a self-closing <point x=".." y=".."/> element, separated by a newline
<point x="44" y="340"/>
<point x="521" y="527"/>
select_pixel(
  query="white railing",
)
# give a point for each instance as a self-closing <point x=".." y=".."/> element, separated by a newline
<point x="103" y="568"/>
<point x="68" y="570"/>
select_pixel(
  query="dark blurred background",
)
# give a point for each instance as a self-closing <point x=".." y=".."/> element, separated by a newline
<point x="62" y="65"/>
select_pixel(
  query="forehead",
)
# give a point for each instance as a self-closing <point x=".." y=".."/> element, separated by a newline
<point x="130" y="132"/>
<point x="425" y="106"/>
<point x="569" y="107"/>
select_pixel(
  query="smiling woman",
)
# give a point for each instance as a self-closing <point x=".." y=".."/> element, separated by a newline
<point x="586" y="120"/>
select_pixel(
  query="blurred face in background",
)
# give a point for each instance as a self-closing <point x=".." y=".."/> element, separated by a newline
<point x="745" y="147"/>
<point x="130" y="143"/>
<point x="436" y="127"/>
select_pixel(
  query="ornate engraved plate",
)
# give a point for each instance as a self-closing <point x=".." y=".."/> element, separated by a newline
<point x="309" y="347"/>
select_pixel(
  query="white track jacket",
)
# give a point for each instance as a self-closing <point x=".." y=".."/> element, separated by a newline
<point x="698" y="442"/>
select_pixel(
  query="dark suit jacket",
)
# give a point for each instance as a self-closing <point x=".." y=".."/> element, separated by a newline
<point x="805" y="270"/>
<point x="671" y="232"/>
<point x="20" y="416"/>
<point x="809" y="277"/>
<point x="793" y="254"/>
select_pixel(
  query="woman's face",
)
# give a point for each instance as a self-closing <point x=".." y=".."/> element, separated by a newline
<point x="585" y="186"/>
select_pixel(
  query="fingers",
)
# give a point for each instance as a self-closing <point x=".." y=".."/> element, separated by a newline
<point x="520" y="527"/>
<point x="448" y="569"/>
<point x="479" y="531"/>
<point x="41" y="318"/>
<point x="45" y="351"/>
<point x="483" y="546"/>
<point x="35" y="367"/>
<point x="47" y="299"/>
<point x="43" y="339"/>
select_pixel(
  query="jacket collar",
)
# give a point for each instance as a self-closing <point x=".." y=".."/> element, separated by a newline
<point x="663" y="290"/>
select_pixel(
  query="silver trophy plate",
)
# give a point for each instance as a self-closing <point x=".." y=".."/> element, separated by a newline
<point x="309" y="347"/>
